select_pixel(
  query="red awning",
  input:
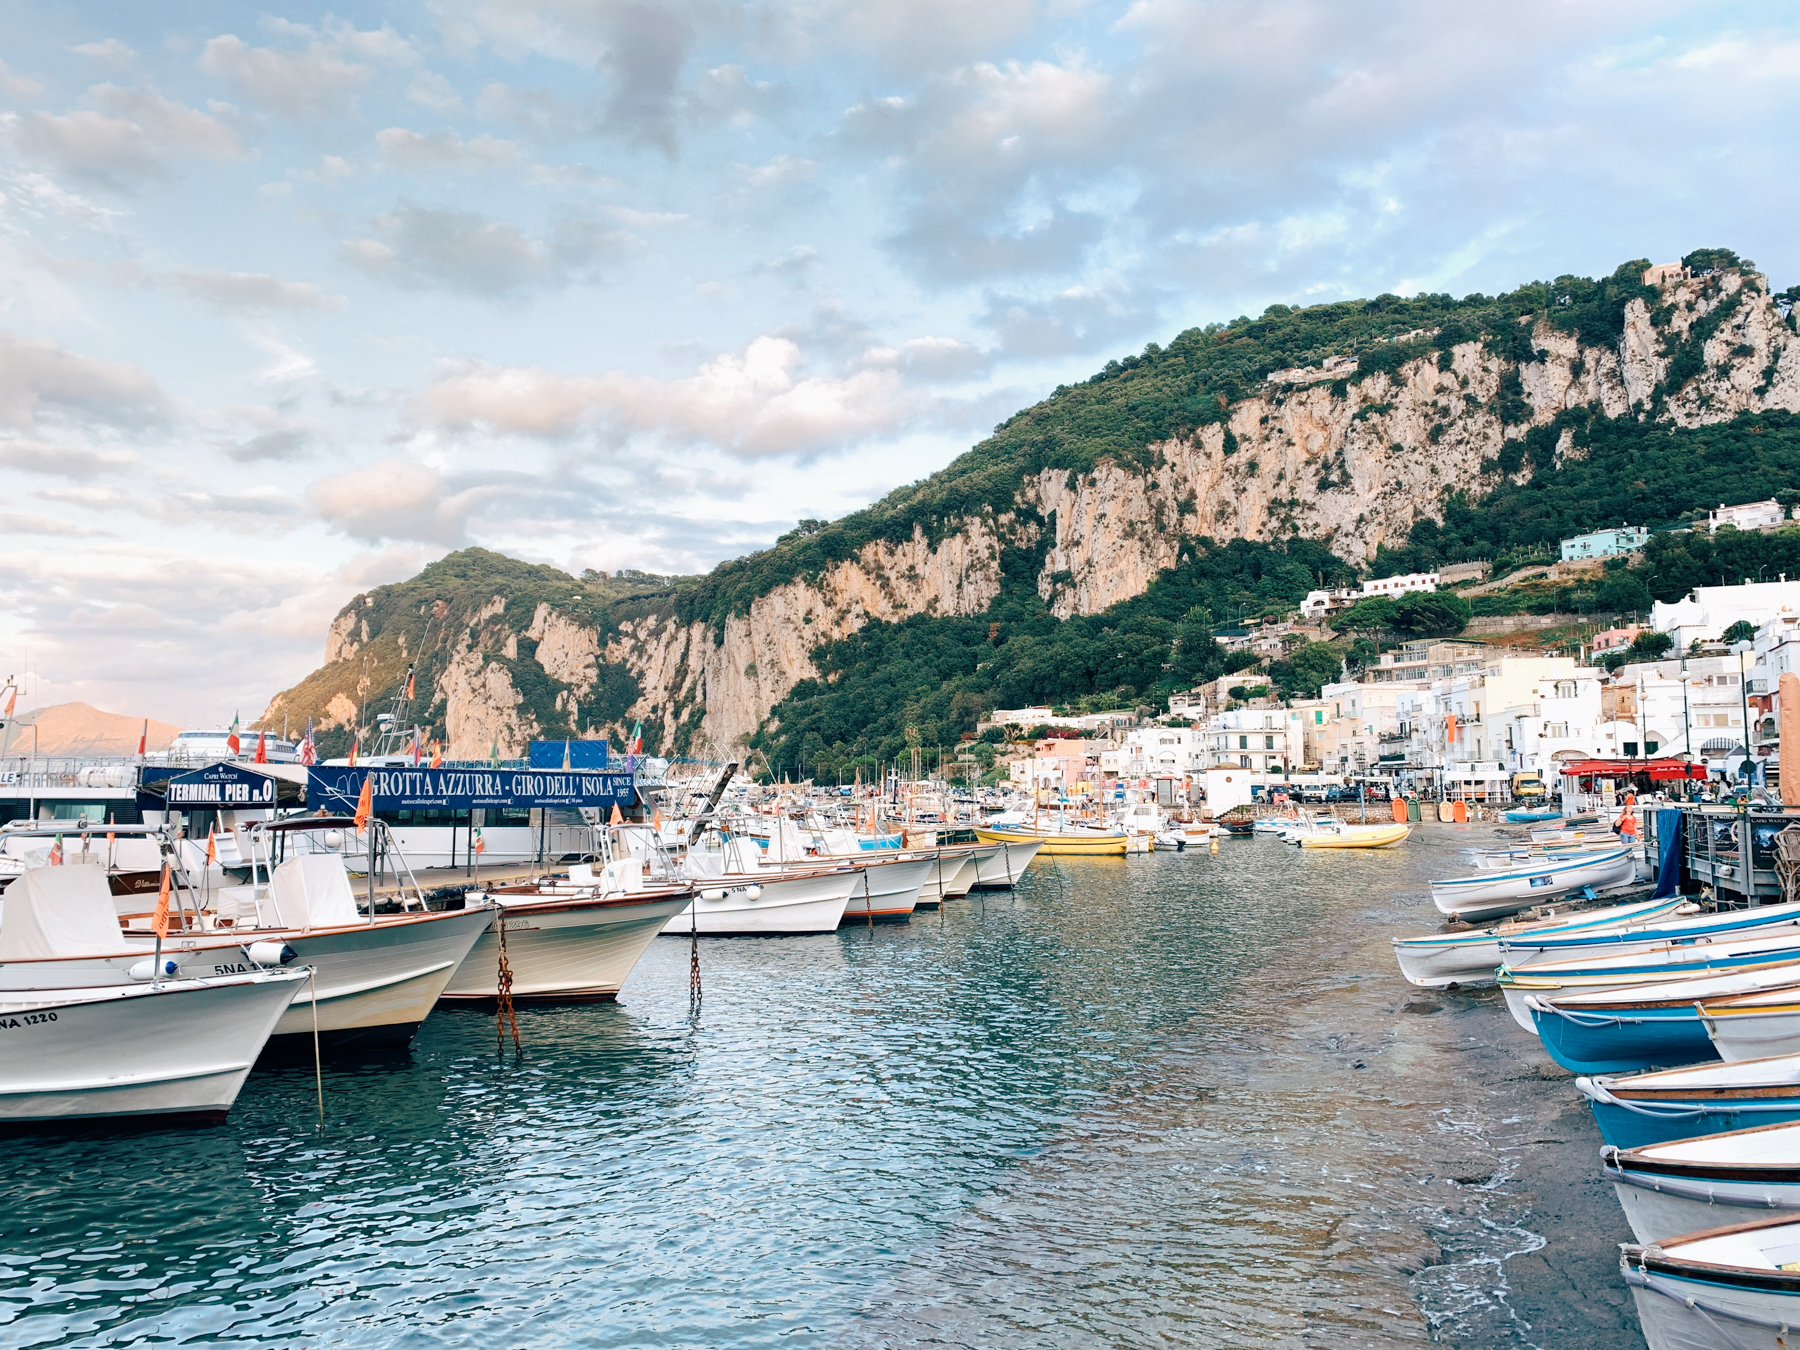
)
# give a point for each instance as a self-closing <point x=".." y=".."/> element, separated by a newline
<point x="1659" y="769"/>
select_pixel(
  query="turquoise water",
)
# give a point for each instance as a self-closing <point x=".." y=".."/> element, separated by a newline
<point x="1035" y="1118"/>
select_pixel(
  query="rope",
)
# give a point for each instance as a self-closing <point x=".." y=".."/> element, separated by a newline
<point x="694" y="990"/>
<point x="312" y="980"/>
<point x="1686" y="1191"/>
<point x="504" y="1016"/>
<point x="1706" y="1312"/>
<point x="1675" y="1111"/>
<point x="868" y="903"/>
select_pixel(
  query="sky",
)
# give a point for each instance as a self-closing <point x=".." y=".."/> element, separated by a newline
<point x="295" y="300"/>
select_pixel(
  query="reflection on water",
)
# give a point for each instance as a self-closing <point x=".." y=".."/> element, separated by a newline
<point x="1129" y="1104"/>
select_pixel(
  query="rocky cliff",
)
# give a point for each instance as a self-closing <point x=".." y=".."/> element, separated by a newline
<point x="1352" y="448"/>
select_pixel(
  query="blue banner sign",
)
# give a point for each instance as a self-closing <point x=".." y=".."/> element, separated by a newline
<point x="334" y="787"/>
<point x="580" y="754"/>
<point x="222" y="786"/>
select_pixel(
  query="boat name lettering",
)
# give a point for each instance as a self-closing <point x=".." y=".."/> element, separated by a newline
<point x="225" y="968"/>
<point x="26" y="1020"/>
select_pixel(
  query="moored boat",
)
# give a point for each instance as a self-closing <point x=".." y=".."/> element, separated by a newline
<point x="1522" y="950"/>
<point x="1753" y="1025"/>
<point x="1711" y="1181"/>
<point x="1489" y="895"/>
<point x="1531" y="815"/>
<point x="1068" y="842"/>
<point x="1433" y="960"/>
<point x="1733" y="1288"/>
<point x="999" y="865"/>
<point x="1357" y="836"/>
<point x="1633" y="1110"/>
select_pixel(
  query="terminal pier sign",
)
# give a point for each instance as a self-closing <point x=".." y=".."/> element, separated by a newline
<point x="334" y="787"/>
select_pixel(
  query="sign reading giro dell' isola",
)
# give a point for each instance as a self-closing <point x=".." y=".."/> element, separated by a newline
<point x="334" y="787"/>
<point x="220" y="786"/>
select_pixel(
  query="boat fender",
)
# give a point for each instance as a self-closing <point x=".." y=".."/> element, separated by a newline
<point x="270" y="953"/>
<point x="712" y="895"/>
<point x="753" y="891"/>
<point x="146" y="969"/>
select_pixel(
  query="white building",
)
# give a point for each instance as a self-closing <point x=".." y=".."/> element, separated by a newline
<point x="1158" y="752"/>
<point x="1750" y="516"/>
<point x="1692" y="709"/>
<point x="1254" y="738"/>
<point x="1709" y="610"/>
<point x="1320" y="603"/>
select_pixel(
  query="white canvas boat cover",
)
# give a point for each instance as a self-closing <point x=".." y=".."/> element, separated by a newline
<point x="312" y="890"/>
<point x="59" y="911"/>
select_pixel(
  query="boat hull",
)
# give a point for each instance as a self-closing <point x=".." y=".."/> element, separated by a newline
<point x="887" y="892"/>
<point x="1685" y="1304"/>
<point x="1496" y="894"/>
<point x="564" y="950"/>
<point x="1001" y="869"/>
<point x="1621" y="1041"/>
<point x="180" y="1050"/>
<point x="1058" y="845"/>
<point x="1758" y="1034"/>
<point x="782" y="906"/>
<point x="1434" y="960"/>
<point x="1359" y="836"/>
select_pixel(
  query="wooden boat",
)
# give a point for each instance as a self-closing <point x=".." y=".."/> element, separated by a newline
<point x="1357" y="836"/>
<point x="1434" y="960"/>
<point x="1523" y="950"/>
<point x="998" y="867"/>
<point x="1490" y="895"/>
<point x="1732" y="1288"/>
<point x="1667" y="1104"/>
<point x="1714" y="1181"/>
<point x="1659" y="965"/>
<point x="1645" y="1026"/>
<point x="1065" y="843"/>
<point x="1753" y="1025"/>
<point x="1529" y="816"/>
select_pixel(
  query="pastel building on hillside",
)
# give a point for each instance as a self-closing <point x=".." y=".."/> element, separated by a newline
<point x="1604" y="543"/>
<point x="1320" y="603"/>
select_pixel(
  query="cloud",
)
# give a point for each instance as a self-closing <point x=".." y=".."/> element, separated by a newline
<point x="38" y="377"/>
<point x="111" y="52"/>
<point x="416" y="248"/>
<point x="314" y="80"/>
<point x="419" y="152"/>
<point x="286" y="363"/>
<point x="1079" y="319"/>
<point x="129" y="135"/>
<point x="18" y="88"/>
<point x="393" y="499"/>
<point x="16" y="524"/>
<point x="431" y="90"/>
<point x="257" y="434"/>
<point x="246" y="291"/>
<point x="757" y="402"/>
<point x="62" y="461"/>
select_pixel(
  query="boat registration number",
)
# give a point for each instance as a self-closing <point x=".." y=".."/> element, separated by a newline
<point x="26" y="1020"/>
<point x="1540" y="881"/>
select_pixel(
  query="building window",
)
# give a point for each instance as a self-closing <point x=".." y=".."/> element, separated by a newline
<point x="1244" y="744"/>
<point x="1565" y="689"/>
<point x="1268" y="742"/>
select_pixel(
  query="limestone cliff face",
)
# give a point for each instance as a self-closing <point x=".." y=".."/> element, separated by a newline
<point x="1354" y="462"/>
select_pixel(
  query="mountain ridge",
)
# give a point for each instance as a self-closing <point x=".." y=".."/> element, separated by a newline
<point x="1087" y="498"/>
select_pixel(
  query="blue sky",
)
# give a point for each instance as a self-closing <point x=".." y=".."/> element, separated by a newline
<point x="294" y="300"/>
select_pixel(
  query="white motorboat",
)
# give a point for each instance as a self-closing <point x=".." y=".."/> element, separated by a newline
<point x="133" y="1046"/>
<point x="999" y="866"/>
<point x="1713" y="1181"/>
<point x="1434" y="960"/>
<point x="569" y="939"/>
<point x="1735" y="1288"/>
<point x="739" y="897"/>
<point x="886" y="891"/>
<point x="1491" y="895"/>
<point x="375" y="976"/>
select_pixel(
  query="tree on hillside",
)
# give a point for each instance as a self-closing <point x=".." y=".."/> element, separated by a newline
<point x="1431" y="614"/>
<point x="1649" y="647"/>
<point x="1307" y="670"/>
<point x="1741" y="631"/>
<point x="1366" y="616"/>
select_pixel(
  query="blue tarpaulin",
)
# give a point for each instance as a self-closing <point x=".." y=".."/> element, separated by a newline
<point x="1668" y="850"/>
<point x="582" y="754"/>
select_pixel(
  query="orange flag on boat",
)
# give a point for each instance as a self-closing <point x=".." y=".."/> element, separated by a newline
<point x="212" y="848"/>
<point x="365" y="804"/>
<point x="159" y="922"/>
<point x="262" y="750"/>
<point x="617" y="818"/>
<point x="12" y="700"/>
<point x="144" y="739"/>
<point x="658" y="819"/>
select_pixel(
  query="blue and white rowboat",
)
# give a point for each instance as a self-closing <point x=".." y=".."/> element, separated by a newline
<point x="1669" y="1104"/>
<point x="1522" y="950"/>
<point x="1722" y="1288"/>
<point x="1489" y="895"/>
<point x="1434" y="960"/>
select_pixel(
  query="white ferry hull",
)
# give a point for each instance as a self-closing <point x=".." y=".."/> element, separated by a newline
<point x="178" y="1050"/>
<point x="565" y="950"/>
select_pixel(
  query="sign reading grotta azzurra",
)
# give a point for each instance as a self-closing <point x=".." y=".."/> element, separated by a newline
<point x="222" y="785"/>
<point x="336" y="787"/>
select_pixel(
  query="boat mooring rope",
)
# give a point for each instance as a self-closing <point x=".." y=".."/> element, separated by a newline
<point x="504" y="1016"/>
<point x="1706" y="1312"/>
<point x="868" y="902"/>
<point x="312" y="979"/>
<point x="694" y="990"/>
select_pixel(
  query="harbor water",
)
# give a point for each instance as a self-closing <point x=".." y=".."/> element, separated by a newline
<point x="1168" y="1100"/>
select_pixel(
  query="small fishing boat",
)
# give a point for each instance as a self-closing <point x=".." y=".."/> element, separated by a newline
<point x="740" y="897"/>
<point x="886" y="891"/>
<point x="1532" y="815"/>
<point x="1735" y="1288"/>
<point x="1490" y="895"/>
<point x="1522" y="950"/>
<point x="1241" y="829"/>
<point x="1753" y="1025"/>
<point x="570" y="939"/>
<point x="1713" y="1181"/>
<point x="1659" y="965"/>
<point x="998" y="866"/>
<point x="1357" y="836"/>
<point x="1645" y="1026"/>
<point x="1070" y="841"/>
<point x="133" y="1045"/>
<point x="1434" y="960"/>
<point x="1667" y="1104"/>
